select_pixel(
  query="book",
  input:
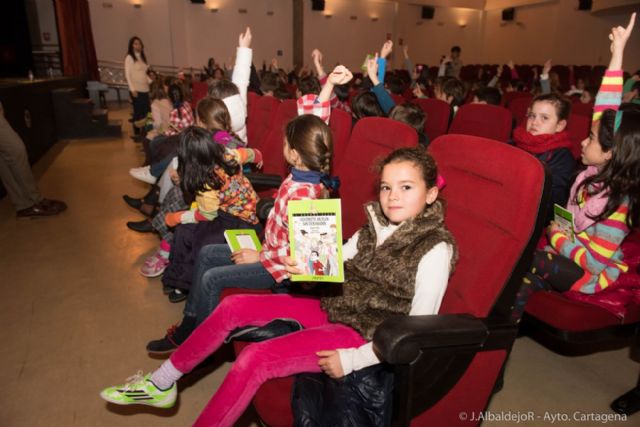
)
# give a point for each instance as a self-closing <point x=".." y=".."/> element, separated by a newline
<point x="315" y="239"/>
<point x="564" y="219"/>
<point x="242" y="239"/>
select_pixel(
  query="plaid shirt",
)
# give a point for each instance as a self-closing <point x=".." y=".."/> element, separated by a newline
<point x="309" y="104"/>
<point x="176" y="124"/>
<point x="276" y="235"/>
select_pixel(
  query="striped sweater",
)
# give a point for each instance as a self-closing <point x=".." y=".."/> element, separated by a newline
<point x="597" y="248"/>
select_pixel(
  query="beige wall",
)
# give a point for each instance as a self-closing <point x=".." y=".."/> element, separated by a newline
<point x="342" y="39"/>
<point x="179" y="33"/>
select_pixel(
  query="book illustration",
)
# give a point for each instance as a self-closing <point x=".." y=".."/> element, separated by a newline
<point x="242" y="239"/>
<point x="315" y="237"/>
<point x="564" y="219"/>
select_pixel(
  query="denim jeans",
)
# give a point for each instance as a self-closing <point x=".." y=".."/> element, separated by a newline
<point x="215" y="272"/>
<point x="157" y="169"/>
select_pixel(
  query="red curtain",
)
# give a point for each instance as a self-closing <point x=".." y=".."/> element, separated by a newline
<point x="76" y="39"/>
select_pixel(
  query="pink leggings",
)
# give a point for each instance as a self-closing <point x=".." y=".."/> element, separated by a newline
<point x="260" y="362"/>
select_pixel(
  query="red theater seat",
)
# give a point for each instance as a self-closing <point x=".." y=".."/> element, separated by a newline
<point x="487" y="121"/>
<point x="519" y="108"/>
<point x="437" y="113"/>
<point x="198" y="91"/>
<point x="340" y="124"/>
<point x="260" y="118"/>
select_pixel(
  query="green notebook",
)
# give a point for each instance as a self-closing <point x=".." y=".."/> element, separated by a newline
<point x="315" y="239"/>
<point x="242" y="239"/>
<point x="564" y="219"/>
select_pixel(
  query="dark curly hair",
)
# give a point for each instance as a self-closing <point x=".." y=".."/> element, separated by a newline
<point x="420" y="159"/>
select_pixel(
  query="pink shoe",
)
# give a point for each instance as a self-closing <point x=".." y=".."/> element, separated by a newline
<point x="154" y="265"/>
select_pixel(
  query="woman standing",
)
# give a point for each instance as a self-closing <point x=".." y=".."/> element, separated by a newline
<point x="135" y="71"/>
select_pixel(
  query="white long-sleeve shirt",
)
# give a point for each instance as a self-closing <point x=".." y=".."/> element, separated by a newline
<point x="237" y="104"/>
<point x="136" y="74"/>
<point x="431" y="283"/>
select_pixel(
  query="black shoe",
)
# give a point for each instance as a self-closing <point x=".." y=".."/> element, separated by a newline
<point x="143" y="226"/>
<point x="134" y="203"/>
<point x="175" y="336"/>
<point x="177" y="295"/>
<point x="166" y="289"/>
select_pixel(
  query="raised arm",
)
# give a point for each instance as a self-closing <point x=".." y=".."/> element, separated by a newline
<point x="610" y="94"/>
<point x="385" y="101"/>
<point x="242" y="68"/>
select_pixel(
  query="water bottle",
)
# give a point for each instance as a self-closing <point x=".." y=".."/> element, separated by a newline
<point x="30" y="75"/>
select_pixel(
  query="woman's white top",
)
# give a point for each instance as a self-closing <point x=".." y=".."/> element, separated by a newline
<point x="136" y="74"/>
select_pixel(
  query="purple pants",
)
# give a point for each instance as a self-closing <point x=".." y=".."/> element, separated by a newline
<point x="259" y="362"/>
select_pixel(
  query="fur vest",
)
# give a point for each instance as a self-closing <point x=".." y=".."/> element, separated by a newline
<point x="380" y="281"/>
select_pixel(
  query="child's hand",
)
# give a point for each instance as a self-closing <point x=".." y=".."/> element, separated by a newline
<point x="330" y="363"/>
<point x="245" y="38"/>
<point x="274" y="64"/>
<point x="405" y="50"/>
<point x="387" y="47"/>
<point x="173" y="218"/>
<point x="340" y="75"/>
<point x="619" y="35"/>
<point x="417" y="92"/>
<point x="372" y="70"/>
<point x="510" y="64"/>
<point x="316" y="56"/>
<point x="245" y="256"/>
<point x="546" y="68"/>
<point x="553" y="228"/>
<point x="290" y="265"/>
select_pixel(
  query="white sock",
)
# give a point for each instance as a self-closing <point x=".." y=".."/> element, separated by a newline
<point x="165" y="375"/>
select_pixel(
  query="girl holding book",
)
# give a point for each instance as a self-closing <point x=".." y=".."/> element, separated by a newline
<point x="398" y="263"/>
<point x="604" y="199"/>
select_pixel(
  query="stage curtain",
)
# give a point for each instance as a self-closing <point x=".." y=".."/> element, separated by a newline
<point x="76" y="39"/>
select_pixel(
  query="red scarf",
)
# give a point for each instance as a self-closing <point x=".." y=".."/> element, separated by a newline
<point x="538" y="144"/>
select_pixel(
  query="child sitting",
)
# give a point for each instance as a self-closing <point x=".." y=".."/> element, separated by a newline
<point x="404" y="242"/>
<point x="545" y="136"/>
<point x="224" y="199"/>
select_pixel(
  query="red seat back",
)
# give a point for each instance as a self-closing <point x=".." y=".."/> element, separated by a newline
<point x="340" y="124"/>
<point x="198" y="91"/>
<point x="487" y="121"/>
<point x="437" y="116"/>
<point x="582" y="109"/>
<point x="259" y="121"/>
<point x="519" y="107"/>
<point x="509" y="97"/>
<point x="272" y="143"/>
<point x="578" y="127"/>
<point x="371" y="140"/>
<point x="486" y="204"/>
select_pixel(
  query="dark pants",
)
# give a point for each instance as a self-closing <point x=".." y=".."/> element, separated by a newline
<point x="188" y="239"/>
<point x="548" y="272"/>
<point x="141" y="107"/>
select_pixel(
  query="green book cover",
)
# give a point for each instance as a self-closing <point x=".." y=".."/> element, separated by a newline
<point x="242" y="239"/>
<point x="564" y="219"/>
<point x="315" y="239"/>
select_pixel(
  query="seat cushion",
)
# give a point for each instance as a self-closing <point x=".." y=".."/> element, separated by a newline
<point x="567" y="314"/>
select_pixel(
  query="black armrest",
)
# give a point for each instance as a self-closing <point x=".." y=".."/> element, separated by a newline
<point x="264" y="181"/>
<point x="399" y="340"/>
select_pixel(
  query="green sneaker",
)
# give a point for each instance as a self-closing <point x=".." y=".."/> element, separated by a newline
<point x="139" y="390"/>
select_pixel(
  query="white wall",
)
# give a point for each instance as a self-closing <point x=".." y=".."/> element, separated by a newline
<point x="176" y="32"/>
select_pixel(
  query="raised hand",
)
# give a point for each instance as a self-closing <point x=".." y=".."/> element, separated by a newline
<point x="547" y="67"/>
<point x="510" y="64"/>
<point x="387" y="47"/>
<point x="245" y="38"/>
<point x="372" y="69"/>
<point x="316" y="56"/>
<point x="619" y="37"/>
<point x="405" y="50"/>
<point x="340" y="75"/>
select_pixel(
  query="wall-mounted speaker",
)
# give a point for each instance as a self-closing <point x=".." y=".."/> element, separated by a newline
<point x="508" y="14"/>
<point x="428" y="12"/>
<point x="584" y="4"/>
<point x="317" y="5"/>
<point x="199" y="1"/>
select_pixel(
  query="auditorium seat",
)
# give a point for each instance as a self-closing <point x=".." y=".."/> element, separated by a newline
<point x="578" y="127"/>
<point x="519" y="108"/>
<point x="263" y="111"/>
<point x="437" y="116"/>
<point x="487" y="121"/>
<point x="340" y="124"/>
<point x="198" y="91"/>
